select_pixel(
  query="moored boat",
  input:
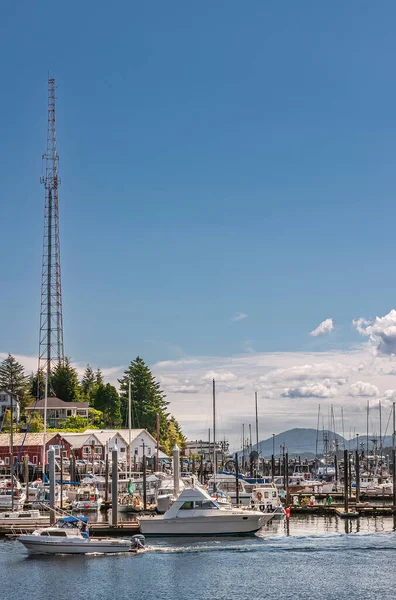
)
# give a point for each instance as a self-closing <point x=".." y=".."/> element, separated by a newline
<point x="70" y="535"/>
<point x="195" y="513"/>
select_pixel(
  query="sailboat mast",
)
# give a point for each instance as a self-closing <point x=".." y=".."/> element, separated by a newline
<point x="243" y="446"/>
<point x="45" y="421"/>
<point x="214" y="435"/>
<point x="129" y="427"/>
<point x="12" y="448"/>
<point x="317" y="438"/>
<point x="257" y="435"/>
<point x="367" y="435"/>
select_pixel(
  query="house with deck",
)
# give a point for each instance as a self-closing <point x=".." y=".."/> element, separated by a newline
<point x="58" y="410"/>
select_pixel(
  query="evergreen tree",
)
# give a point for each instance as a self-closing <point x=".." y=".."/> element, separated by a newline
<point x="14" y="380"/>
<point x="33" y="382"/>
<point x="64" y="382"/>
<point x="107" y="400"/>
<point x="99" y="377"/>
<point x="88" y="381"/>
<point x="148" y="399"/>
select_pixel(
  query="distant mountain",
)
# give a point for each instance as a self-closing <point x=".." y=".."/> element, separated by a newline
<point x="301" y="442"/>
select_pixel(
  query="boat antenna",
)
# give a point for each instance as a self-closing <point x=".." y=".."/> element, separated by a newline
<point x="214" y="436"/>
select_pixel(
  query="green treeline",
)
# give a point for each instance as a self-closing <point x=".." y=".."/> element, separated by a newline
<point x="108" y="406"/>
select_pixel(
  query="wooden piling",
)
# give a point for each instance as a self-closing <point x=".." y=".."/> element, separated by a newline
<point x="346" y="481"/>
<point x="26" y="474"/>
<point x="287" y="478"/>
<point x="237" y="478"/>
<point x="114" y="488"/>
<point x="272" y="467"/>
<point x="394" y="476"/>
<point x="107" y="478"/>
<point x="357" y="470"/>
<point x="51" y="466"/>
<point x="144" y="483"/>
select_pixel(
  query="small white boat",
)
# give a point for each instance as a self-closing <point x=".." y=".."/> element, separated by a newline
<point x="130" y="503"/>
<point x="351" y="514"/>
<point x="6" y="502"/>
<point x="22" y="516"/>
<point x="194" y="512"/>
<point x="70" y="536"/>
<point x="87" y="499"/>
<point x="265" y="497"/>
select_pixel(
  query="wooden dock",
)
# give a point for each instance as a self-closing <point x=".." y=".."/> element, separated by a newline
<point x="363" y="510"/>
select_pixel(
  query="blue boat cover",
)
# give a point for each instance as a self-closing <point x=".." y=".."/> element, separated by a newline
<point x="72" y="519"/>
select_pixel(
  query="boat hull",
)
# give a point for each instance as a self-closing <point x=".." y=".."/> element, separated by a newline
<point x="237" y="524"/>
<point x="35" y="545"/>
<point x="86" y="506"/>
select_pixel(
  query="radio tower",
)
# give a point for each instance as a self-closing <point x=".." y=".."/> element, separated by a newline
<point x="51" y="324"/>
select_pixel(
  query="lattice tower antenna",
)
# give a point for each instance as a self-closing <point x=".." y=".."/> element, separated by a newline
<point x="51" y="322"/>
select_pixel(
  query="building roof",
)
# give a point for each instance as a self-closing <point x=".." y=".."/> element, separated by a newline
<point x="78" y="440"/>
<point x="57" y="403"/>
<point x="32" y="439"/>
<point x="105" y="435"/>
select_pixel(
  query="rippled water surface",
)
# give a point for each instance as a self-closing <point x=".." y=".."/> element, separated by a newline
<point x="315" y="558"/>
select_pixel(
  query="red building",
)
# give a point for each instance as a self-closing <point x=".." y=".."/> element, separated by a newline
<point x="32" y="445"/>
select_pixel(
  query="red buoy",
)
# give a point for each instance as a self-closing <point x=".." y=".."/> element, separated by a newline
<point x="288" y="512"/>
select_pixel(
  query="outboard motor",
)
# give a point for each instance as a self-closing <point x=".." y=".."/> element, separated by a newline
<point x="138" y="542"/>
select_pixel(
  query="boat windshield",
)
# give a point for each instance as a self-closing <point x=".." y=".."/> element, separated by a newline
<point x="200" y="504"/>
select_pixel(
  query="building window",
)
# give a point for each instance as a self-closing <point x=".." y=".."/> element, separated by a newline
<point x="57" y="452"/>
<point x="68" y="412"/>
<point x="98" y="449"/>
<point x="35" y="460"/>
<point x="64" y="453"/>
<point x="136" y="451"/>
<point x="7" y="460"/>
<point x="122" y="449"/>
<point x="149" y="451"/>
<point x="86" y="450"/>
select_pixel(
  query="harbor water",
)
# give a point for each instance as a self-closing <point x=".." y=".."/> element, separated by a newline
<point x="306" y="557"/>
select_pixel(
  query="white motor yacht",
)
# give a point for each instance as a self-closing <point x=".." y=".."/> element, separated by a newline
<point x="227" y="484"/>
<point x="87" y="499"/>
<point x="70" y="536"/>
<point x="194" y="513"/>
<point x="6" y="494"/>
<point x="266" y="498"/>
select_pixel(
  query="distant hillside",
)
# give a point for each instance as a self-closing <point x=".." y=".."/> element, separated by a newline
<point x="298" y="441"/>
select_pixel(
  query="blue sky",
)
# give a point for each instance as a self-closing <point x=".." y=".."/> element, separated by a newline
<point x="215" y="159"/>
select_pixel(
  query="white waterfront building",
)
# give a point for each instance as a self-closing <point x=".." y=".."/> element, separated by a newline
<point x="5" y="404"/>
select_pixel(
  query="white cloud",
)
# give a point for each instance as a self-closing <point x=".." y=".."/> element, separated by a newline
<point x="306" y="372"/>
<point x="184" y="389"/>
<point x="225" y="377"/>
<point x="311" y="376"/>
<point x="177" y="363"/>
<point x="381" y="332"/>
<point x="239" y="316"/>
<point x="325" y="326"/>
<point x="363" y="388"/>
<point x="390" y="395"/>
<point x="314" y="390"/>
